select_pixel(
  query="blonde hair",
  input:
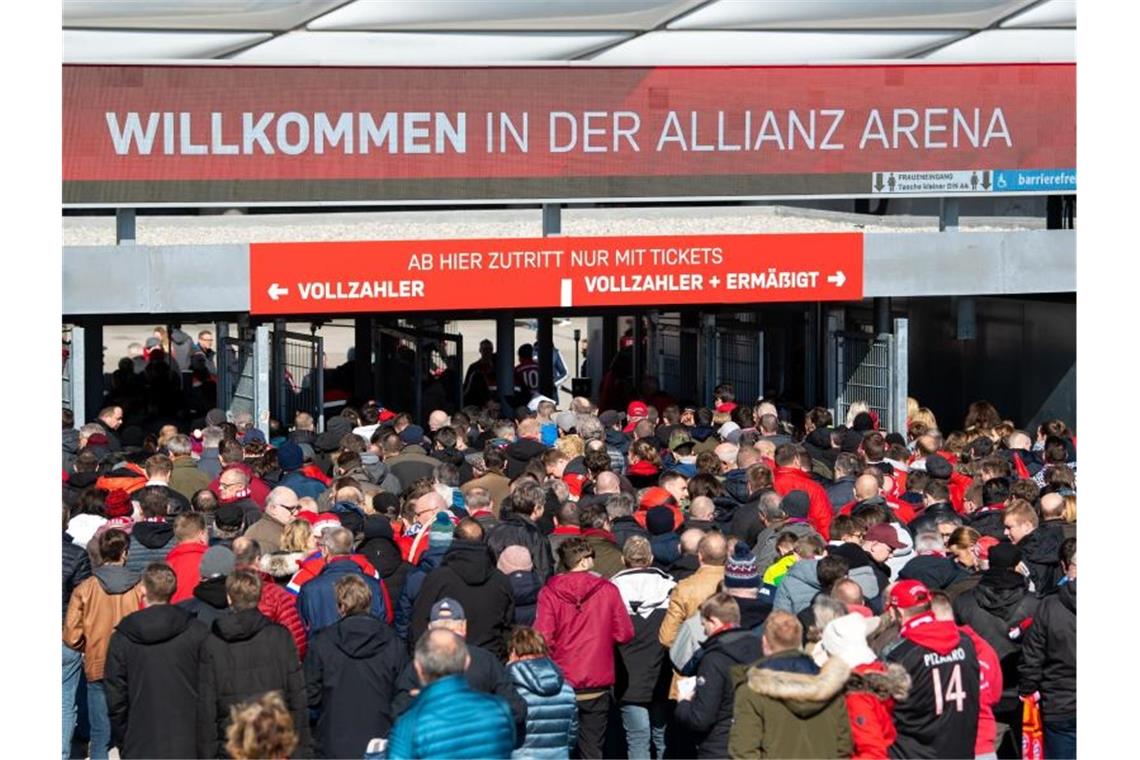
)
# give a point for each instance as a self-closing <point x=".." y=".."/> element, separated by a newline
<point x="262" y="728"/>
<point x="911" y="407"/>
<point x="295" y="537"/>
<point x="571" y="445"/>
<point x="854" y="410"/>
<point x="1070" y="511"/>
<point x="925" y="416"/>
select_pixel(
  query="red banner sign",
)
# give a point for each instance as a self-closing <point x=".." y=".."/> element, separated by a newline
<point x="184" y="134"/>
<point x="553" y="272"/>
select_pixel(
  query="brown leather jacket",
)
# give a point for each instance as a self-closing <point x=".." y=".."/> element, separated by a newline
<point x="96" y="607"/>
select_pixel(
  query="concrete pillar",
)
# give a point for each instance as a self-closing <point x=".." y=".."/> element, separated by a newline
<point x="92" y="369"/>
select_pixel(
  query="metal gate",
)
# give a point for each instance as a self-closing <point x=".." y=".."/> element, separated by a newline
<point x="677" y="375"/>
<point x="740" y="358"/>
<point x="872" y="369"/>
<point x="298" y="377"/>
<point x="68" y="369"/>
<point x="418" y="369"/>
<point x="237" y="362"/>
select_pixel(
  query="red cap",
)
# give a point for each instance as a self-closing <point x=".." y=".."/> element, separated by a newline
<point x="386" y="415"/>
<point x="637" y="409"/>
<point x="884" y="534"/>
<point x="726" y="408"/>
<point x="574" y="481"/>
<point x="307" y="516"/>
<point x="118" y="504"/>
<point x="656" y="497"/>
<point x="324" y="521"/>
<point x="908" y="594"/>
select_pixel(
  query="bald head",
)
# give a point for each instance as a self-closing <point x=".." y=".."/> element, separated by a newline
<point x="1019" y="440"/>
<point x="746" y="457"/>
<point x="712" y="550"/>
<point x="702" y="508"/>
<point x="607" y="482"/>
<point x="848" y="592"/>
<point x="726" y="453"/>
<point x="691" y="540"/>
<point x="438" y="419"/>
<point x="530" y="428"/>
<point x="866" y="487"/>
<point x="1052" y="506"/>
<point x="431" y="499"/>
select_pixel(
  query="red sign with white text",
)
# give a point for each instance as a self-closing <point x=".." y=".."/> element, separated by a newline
<point x="143" y="135"/>
<point x="553" y="272"/>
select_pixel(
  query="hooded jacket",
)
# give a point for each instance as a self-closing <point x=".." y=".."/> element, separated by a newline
<point x="467" y="573"/>
<point x="520" y="453"/>
<point x="1000" y="609"/>
<point x="934" y="570"/>
<point x="582" y="616"/>
<point x="377" y="472"/>
<point x="871" y="692"/>
<point x="551" y="709"/>
<point x="607" y="556"/>
<point x="154" y="652"/>
<point x="765" y="548"/>
<point x="524" y="589"/>
<point x="1041" y="553"/>
<point x="788" y="479"/>
<point x="786" y="709"/>
<point x="643" y="672"/>
<point x="184" y="559"/>
<point x="150" y="542"/>
<point x="208" y="601"/>
<point x="513" y="529"/>
<point x="380" y="549"/>
<point x="350" y="676"/>
<point x="798" y="588"/>
<point x="316" y="603"/>
<point x="245" y="656"/>
<point x="709" y="714"/>
<point x="1049" y="655"/>
<point x="280" y="607"/>
<point x="96" y="607"/>
<point x="940" y="717"/>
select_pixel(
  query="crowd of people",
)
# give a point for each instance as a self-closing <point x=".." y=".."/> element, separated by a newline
<point x="659" y="581"/>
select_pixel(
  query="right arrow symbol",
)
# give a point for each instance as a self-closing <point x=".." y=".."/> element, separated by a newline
<point x="276" y="291"/>
<point x="838" y="278"/>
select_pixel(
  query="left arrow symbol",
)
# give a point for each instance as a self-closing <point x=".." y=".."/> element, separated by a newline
<point x="276" y="291"/>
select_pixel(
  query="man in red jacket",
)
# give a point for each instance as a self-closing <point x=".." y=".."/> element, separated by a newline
<point x="582" y="616"/>
<point x="276" y="603"/>
<point x="790" y="476"/>
<point x="231" y="454"/>
<point x="184" y="558"/>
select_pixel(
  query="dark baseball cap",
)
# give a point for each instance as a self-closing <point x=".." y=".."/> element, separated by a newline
<point x="447" y="609"/>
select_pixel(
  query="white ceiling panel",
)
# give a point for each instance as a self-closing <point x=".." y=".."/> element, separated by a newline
<point x="80" y="45"/>
<point x="512" y="15"/>
<point x="1011" y="46"/>
<point x="1054" y="13"/>
<point x="745" y="48"/>
<point x="411" y="48"/>
<point x="849" y="14"/>
<point x="246" y="15"/>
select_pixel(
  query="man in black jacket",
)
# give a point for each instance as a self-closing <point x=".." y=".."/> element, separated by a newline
<point x="245" y="656"/>
<point x="350" y="672"/>
<point x="1049" y="660"/>
<point x="151" y="675"/>
<point x="485" y="672"/>
<point x="1040" y="545"/>
<point x="707" y="709"/>
<point x="468" y="574"/>
<point x="519" y="527"/>
<point x="76" y="568"/>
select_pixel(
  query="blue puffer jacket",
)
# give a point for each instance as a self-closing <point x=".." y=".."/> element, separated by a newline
<point x="434" y="727"/>
<point x="551" y="710"/>
<point x="798" y="588"/>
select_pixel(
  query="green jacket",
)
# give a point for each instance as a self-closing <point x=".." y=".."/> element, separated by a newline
<point x="785" y="714"/>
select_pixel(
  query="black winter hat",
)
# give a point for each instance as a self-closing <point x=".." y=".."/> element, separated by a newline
<point x="1004" y="556"/>
<point x="938" y="467"/>
<point x="659" y="520"/>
